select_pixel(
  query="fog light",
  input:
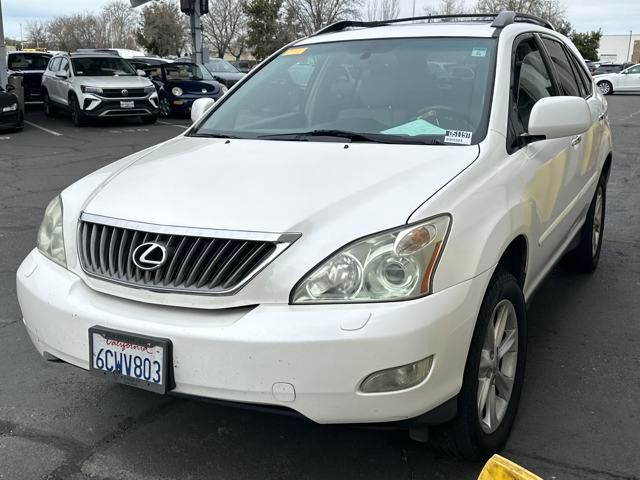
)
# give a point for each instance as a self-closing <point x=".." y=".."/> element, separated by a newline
<point x="398" y="378"/>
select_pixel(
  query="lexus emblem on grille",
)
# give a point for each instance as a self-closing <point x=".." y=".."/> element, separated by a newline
<point x="149" y="256"/>
<point x="125" y="93"/>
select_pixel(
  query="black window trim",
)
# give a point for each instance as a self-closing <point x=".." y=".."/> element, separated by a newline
<point x="568" y="53"/>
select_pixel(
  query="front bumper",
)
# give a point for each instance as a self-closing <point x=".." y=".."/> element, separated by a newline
<point x="10" y="120"/>
<point x="319" y="355"/>
<point x="96" y="106"/>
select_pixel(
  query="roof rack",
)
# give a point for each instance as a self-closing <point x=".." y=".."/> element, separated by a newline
<point x="500" y="20"/>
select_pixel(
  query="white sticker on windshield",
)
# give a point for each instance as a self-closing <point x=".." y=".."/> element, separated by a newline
<point x="458" y="136"/>
<point x="479" y="52"/>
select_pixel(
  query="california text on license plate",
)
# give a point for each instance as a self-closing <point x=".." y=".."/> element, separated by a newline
<point x="137" y="360"/>
<point x="127" y="104"/>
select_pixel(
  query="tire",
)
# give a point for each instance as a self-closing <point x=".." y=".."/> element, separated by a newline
<point x="585" y="257"/>
<point x="605" y="87"/>
<point x="468" y="436"/>
<point x="49" y="108"/>
<point x="149" y="119"/>
<point x="77" y="116"/>
<point x="165" y="107"/>
<point x="20" y="125"/>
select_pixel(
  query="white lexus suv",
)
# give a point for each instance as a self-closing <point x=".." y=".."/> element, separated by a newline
<point x="352" y="232"/>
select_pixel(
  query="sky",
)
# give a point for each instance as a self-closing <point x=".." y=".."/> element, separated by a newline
<point x="612" y="16"/>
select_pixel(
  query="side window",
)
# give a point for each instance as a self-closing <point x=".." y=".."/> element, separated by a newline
<point x="55" y="64"/>
<point x="64" y="66"/>
<point x="634" y="70"/>
<point x="531" y="82"/>
<point x="566" y="78"/>
<point x="586" y="78"/>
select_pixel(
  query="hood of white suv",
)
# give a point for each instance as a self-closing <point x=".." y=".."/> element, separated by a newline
<point x="114" y="82"/>
<point x="278" y="186"/>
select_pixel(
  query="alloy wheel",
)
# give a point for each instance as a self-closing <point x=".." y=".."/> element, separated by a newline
<point x="498" y="364"/>
<point x="605" y="88"/>
<point x="597" y="222"/>
<point x="165" y="108"/>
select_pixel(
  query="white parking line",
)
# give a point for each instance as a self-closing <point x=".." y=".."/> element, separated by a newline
<point x="44" y="129"/>
<point x="172" y="124"/>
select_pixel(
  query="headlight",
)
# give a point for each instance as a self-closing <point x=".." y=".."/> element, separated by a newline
<point x="87" y="89"/>
<point x="177" y="91"/>
<point x="50" y="237"/>
<point x="394" y="265"/>
<point x="149" y="89"/>
<point x="11" y="108"/>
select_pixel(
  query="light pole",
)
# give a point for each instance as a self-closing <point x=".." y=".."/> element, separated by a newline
<point x="3" y="54"/>
<point x="629" y="48"/>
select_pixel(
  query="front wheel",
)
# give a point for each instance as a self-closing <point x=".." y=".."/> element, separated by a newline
<point x="49" y="109"/>
<point x="605" y="87"/>
<point x="165" y="107"/>
<point x="493" y="375"/>
<point x="77" y="115"/>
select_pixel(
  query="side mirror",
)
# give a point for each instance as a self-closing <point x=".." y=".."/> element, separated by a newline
<point x="558" y="117"/>
<point x="10" y="88"/>
<point x="199" y="108"/>
<point x="141" y="73"/>
<point x="62" y="75"/>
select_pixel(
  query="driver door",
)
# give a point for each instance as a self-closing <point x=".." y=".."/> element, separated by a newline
<point x="629" y="80"/>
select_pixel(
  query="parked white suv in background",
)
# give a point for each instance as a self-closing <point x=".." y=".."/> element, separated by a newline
<point x="97" y="85"/>
<point x="352" y="233"/>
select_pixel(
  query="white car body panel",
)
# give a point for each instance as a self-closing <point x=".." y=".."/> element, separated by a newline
<point x="332" y="195"/>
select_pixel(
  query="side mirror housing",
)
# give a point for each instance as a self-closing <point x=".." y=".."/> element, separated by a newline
<point x="558" y="117"/>
<point x="141" y="73"/>
<point x="199" y="108"/>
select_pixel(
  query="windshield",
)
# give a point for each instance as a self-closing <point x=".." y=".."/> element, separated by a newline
<point x="221" y="66"/>
<point x="28" y="61"/>
<point x="101" y="67"/>
<point x="186" y="72"/>
<point x="410" y="90"/>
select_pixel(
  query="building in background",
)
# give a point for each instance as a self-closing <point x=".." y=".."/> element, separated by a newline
<point x="620" y="48"/>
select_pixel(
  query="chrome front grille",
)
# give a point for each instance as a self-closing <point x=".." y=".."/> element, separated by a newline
<point x="197" y="261"/>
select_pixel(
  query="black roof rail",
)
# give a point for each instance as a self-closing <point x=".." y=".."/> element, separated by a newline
<point x="500" y="20"/>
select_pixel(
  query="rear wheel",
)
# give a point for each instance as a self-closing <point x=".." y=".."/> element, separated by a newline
<point x="605" y="87"/>
<point x="77" y="115"/>
<point x="585" y="257"/>
<point x="493" y="375"/>
<point x="49" y="109"/>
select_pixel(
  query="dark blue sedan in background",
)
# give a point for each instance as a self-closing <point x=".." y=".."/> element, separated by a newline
<point x="180" y="84"/>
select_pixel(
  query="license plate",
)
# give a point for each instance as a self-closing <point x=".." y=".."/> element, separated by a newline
<point x="127" y="104"/>
<point x="132" y="359"/>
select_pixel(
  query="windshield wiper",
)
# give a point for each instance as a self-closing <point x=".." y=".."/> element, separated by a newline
<point x="353" y="136"/>
<point x="213" y="135"/>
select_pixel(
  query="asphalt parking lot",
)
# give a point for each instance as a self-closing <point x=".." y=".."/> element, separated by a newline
<point x="579" y="415"/>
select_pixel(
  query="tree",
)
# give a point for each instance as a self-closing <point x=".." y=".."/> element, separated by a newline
<point x="120" y="22"/>
<point x="315" y="14"/>
<point x="587" y="43"/>
<point x="72" y="32"/>
<point x="224" y="24"/>
<point x="163" y="28"/>
<point x="264" y="32"/>
<point x="449" y="7"/>
<point x="37" y="34"/>
<point x="553" y="11"/>
<point x="383" y="9"/>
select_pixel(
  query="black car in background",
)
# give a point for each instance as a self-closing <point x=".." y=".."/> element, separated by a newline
<point x="11" y="115"/>
<point x="224" y="72"/>
<point x="611" y="68"/>
<point x="30" y="66"/>
<point x="180" y="84"/>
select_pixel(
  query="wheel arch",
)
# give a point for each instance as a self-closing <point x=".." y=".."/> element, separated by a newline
<point x="515" y="258"/>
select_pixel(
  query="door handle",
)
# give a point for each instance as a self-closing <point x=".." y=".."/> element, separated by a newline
<point x="576" y="140"/>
